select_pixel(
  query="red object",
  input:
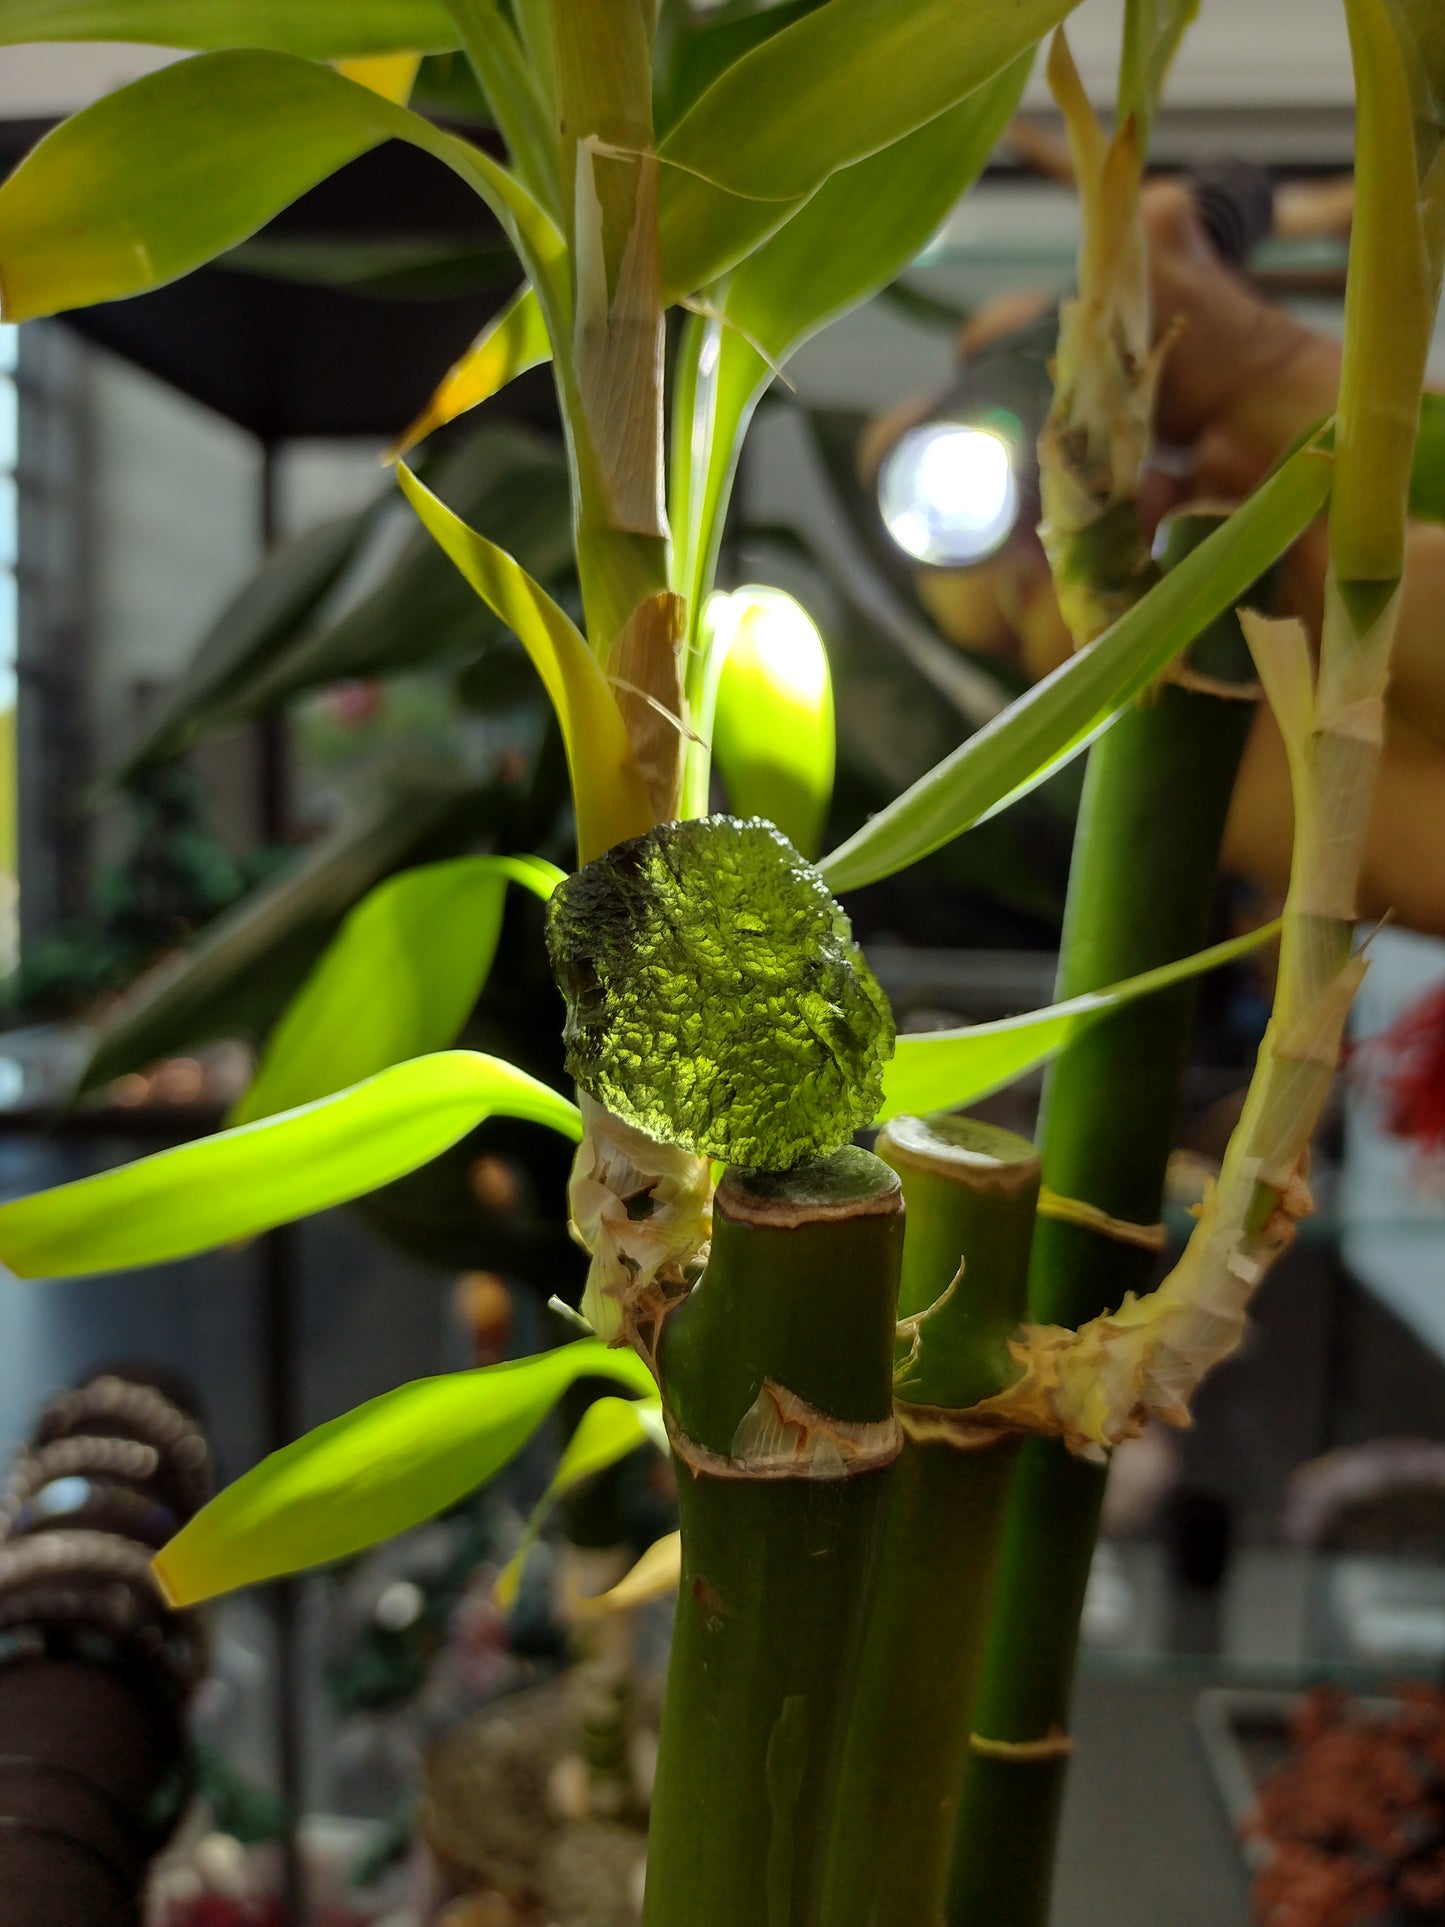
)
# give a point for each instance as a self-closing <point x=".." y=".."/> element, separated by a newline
<point x="1406" y="1063"/>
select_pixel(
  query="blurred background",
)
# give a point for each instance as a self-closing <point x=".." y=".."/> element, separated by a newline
<point x="238" y="687"/>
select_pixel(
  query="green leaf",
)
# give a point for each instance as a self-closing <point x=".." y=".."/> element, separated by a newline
<point x="239" y="1182"/>
<point x="422" y="612"/>
<point x="946" y="1069"/>
<point x="1153" y="30"/>
<point x="693" y="52"/>
<point x="513" y="93"/>
<point x="609" y="1429"/>
<point x="861" y="229"/>
<point x="513" y="341"/>
<point x="237" y="976"/>
<point x="321" y="29"/>
<point x="399" y="980"/>
<point x="392" y="1463"/>
<point x="1427" y="474"/>
<point x="284" y="593"/>
<point x="165" y="174"/>
<point x="1050" y="723"/>
<point x="772" y="730"/>
<point x="715" y="997"/>
<point x="608" y="792"/>
<point x="837" y="85"/>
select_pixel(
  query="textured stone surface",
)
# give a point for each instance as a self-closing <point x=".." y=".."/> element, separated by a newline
<point x="715" y="996"/>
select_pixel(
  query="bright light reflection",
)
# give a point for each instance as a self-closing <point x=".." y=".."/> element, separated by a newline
<point x="774" y="637"/>
<point x="947" y="494"/>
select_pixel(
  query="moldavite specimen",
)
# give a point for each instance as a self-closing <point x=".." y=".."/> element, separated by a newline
<point x="715" y="996"/>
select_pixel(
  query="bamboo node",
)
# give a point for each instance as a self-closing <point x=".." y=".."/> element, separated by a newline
<point x="1055" y="1745"/>
<point x="1149" y="1237"/>
<point x="782" y="1436"/>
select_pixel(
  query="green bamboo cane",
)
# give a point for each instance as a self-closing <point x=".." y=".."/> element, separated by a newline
<point x="970" y="1190"/>
<point x="776" y="1375"/>
<point x="1156" y="795"/>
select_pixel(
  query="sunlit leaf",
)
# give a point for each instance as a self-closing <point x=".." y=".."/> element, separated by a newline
<point x="945" y="1069"/>
<point x="1050" y="723"/>
<point x="259" y="1175"/>
<point x="399" y="980"/>
<point x="392" y="1463"/>
<point x="656" y="1574"/>
<point x="163" y="175"/>
<point x="322" y="29"/>
<point x="607" y="787"/>
<point x="391" y="75"/>
<point x="859" y="231"/>
<point x="772" y="730"/>
<point x="609" y="1429"/>
<point x="837" y="85"/>
<point x="512" y="342"/>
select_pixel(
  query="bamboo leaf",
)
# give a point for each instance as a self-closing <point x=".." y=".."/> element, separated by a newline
<point x="772" y="731"/>
<point x="946" y="1069"/>
<point x="1153" y="30"/>
<point x="250" y="1179"/>
<point x="1050" y="723"/>
<point x="399" y="980"/>
<point x="609" y="1429"/>
<point x="771" y="129"/>
<point x="607" y="788"/>
<point x="513" y="93"/>
<point x="321" y="29"/>
<point x="513" y="341"/>
<point x="390" y="1464"/>
<point x="391" y="75"/>
<point x="165" y="174"/>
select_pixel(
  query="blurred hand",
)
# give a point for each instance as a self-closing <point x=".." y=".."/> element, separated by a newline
<point x="1241" y="381"/>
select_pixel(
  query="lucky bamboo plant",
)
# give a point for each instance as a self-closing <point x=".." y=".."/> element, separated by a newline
<point x="851" y="1392"/>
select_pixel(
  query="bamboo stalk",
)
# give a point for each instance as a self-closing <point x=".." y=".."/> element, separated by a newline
<point x="1156" y="795"/>
<point x="776" y="1374"/>
<point x="970" y="1191"/>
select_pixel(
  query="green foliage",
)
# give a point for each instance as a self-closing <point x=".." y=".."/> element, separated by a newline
<point x="1050" y="723"/>
<point x="230" y="1186"/>
<point x="946" y="1069"/>
<point x="165" y="174"/>
<point x="1427" y="476"/>
<point x="392" y="1463"/>
<point x="1153" y="30"/>
<point x="323" y="29"/>
<point x="608" y="793"/>
<point x="399" y="980"/>
<point x="715" y="997"/>
<point x="772" y="730"/>
<point x="607" y="1432"/>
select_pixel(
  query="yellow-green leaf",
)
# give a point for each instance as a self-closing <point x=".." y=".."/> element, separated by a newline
<point x="772" y="730"/>
<point x="513" y="341"/>
<point x="399" y="979"/>
<point x="392" y="1463"/>
<point x="165" y="174"/>
<point x="945" y="1069"/>
<point x="609" y="1429"/>
<point x="321" y="29"/>
<point x="250" y="1179"/>
<point x="608" y="792"/>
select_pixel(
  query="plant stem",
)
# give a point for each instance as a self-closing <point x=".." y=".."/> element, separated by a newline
<point x="776" y="1374"/>
<point x="970" y="1191"/>
<point x="1156" y="795"/>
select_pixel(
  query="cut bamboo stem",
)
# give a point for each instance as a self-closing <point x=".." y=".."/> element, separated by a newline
<point x="776" y="1375"/>
<point x="970" y="1190"/>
